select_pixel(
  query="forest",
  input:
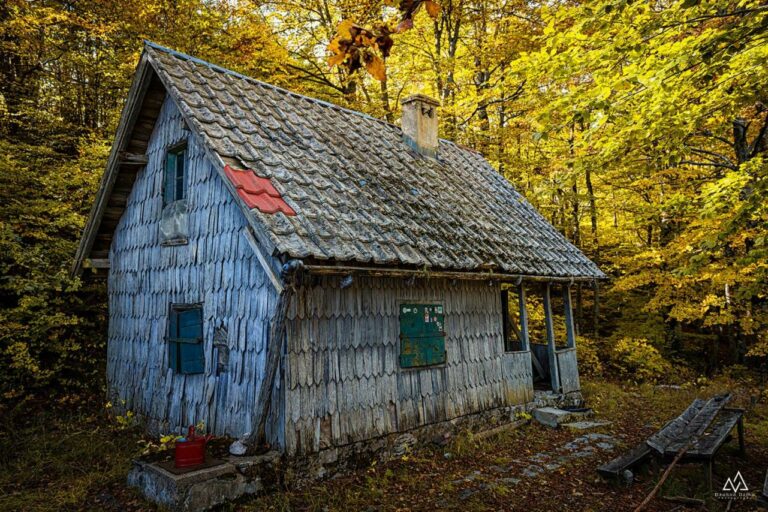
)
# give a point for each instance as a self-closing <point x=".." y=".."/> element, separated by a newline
<point x="639" y="129"/>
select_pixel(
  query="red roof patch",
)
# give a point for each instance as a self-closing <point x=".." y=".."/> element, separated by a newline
<point x="257" y="192"/>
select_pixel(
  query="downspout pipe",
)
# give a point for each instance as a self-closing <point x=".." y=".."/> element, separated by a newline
<point x="288" y="274"/>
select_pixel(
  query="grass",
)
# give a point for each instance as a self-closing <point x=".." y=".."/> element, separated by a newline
<point x="63" y="458"/>
<point x="72" y="458"/>
<point x="428" y="480"/>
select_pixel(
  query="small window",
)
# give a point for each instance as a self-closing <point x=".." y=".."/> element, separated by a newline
<point x="422" y="335"/>
<point x="174" y="187"/>
<point x="185" y="339"/>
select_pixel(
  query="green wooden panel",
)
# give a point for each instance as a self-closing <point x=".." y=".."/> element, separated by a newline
<point x="422" y="335"/>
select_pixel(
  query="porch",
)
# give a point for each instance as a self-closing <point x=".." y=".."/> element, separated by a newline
<point x="553" y="359"/>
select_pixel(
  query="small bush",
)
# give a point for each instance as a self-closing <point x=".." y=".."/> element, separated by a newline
<point x="589" y="354"/>
<point x="638" y="360"/>
<point x="52" y="326"/>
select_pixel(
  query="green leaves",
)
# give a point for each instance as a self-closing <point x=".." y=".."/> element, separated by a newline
<point x="50" y="326"/>
<point x="647" y="94"/>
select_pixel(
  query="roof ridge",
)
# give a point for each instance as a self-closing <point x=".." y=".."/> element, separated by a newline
<point x="221" y="69"/>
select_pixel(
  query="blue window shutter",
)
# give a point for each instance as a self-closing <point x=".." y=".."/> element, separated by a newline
<point x="192" y="359"/>
<point x="169" y="184"/>
<point x="173" y="346"/>
<point x="191" y="341"/>
<point x="191" y="323"/>
<point x="185" y="340"/>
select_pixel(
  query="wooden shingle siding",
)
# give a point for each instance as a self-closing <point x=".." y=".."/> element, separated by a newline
<point x="343" y="382"/>
<point x="217" y="268"/>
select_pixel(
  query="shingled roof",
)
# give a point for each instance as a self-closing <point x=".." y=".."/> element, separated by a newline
<point x="341" y="185"/>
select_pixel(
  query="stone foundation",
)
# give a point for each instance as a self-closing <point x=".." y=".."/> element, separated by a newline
<point x="250" y="475"/>
<point x="206" y="488"/>
<point x="301" y="471"/>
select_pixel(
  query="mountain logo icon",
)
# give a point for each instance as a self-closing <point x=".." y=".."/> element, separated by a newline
<point x="736" y="484"/>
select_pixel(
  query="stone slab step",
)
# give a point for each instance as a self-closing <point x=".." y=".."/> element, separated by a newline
<point x="585" y="425"/>
<point x="554" y="417"/>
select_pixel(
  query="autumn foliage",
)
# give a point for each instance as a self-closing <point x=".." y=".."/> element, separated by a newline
<point x="639" y="129"/>
<point x="355" y="47"/>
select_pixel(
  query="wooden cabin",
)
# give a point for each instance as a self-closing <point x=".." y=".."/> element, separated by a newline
<point x="283" y="266"/>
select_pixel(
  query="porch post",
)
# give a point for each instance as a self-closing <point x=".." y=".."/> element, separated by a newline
<point x="570" y="332"/>
<point x="553" y="369"/>
<point x="524" y="337"/>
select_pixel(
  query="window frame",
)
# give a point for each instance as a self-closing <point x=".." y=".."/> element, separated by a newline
<point x="510" y="336"/>
<point x="175" y="188"/>
<point x="176" y="343"/>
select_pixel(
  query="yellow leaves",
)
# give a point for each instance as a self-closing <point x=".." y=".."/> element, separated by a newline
<point x="340" y="43"/>
<point x="354" y="46"/>
<point x="344" y="30"/>
<point x="637" y="359"/>
<point x="21" y="359"/>
<point x="375" y="66"/>
<point x="335" y="45"/>
<point x="336" y="59"/>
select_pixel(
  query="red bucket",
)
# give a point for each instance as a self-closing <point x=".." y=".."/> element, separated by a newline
<point x="191" y="452"/>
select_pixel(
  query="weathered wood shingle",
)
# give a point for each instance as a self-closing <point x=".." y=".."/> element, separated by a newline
<point x="359" y="193"/>
<point x="343" y="382"/>
<point x="216" y="267"/>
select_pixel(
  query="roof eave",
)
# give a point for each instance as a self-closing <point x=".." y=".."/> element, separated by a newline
<point x="125" y="127"/>
<point x="472" y="275"/>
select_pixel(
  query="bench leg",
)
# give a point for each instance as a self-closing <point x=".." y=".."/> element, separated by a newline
<point x="709" y="468"/>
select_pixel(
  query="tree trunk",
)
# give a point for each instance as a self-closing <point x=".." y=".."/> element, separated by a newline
<point x="596" y="312"/>
<point x="592" y="212"/>
<point x="385" y="101"/>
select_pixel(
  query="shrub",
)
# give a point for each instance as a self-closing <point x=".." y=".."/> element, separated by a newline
<point x="589" y="351"/>
<point x="51" y="326"/>
<point x="638" y="360"/>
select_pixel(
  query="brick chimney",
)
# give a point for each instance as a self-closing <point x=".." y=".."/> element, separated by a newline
<point x="419" y="123"/>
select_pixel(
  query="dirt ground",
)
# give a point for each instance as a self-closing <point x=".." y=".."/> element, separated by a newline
<point x="60" y="459"/>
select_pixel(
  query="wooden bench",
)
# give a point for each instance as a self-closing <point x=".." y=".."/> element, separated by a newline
<point x="615" y="469"/>
<point x="699" y="433"/>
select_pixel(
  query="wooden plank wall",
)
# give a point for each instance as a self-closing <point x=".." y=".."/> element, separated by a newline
<point x="569" y="370"/>
<point x="342" y="378"/>
<point x="517" y="370"/>
<point x="217" y="267"/>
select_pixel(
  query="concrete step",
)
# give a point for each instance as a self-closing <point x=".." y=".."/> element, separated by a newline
<point x="554" y="417"/>
<point x="198" y="490"/>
